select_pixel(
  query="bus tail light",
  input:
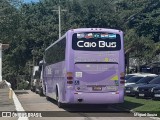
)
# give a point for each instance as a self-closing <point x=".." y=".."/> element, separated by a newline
<point x="69" y="75"/>
<point x="122" y="82"/>
<point x="70" y="78"/>
<point x="117" y="92"/>
<point x="122" y="78"/>
<point x="69" y="82"/>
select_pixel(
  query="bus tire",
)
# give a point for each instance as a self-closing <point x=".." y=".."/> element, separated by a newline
<point x="59" y="104"/>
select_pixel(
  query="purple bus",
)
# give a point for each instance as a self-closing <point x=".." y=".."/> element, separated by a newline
<point x="85" y="66"/>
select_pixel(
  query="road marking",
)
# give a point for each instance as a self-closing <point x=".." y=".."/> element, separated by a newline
<point x="18" y="106"/>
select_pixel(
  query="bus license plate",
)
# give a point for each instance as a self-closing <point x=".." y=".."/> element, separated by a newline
<point x="97" y="88"/>
<point x="142" y="95"/>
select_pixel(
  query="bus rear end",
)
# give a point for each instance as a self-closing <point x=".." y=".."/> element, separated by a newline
<point x="96" y="67"/>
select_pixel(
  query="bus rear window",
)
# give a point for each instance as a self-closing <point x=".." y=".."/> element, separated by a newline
<point x="96" y="41"/>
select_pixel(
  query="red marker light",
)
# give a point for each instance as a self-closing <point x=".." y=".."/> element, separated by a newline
<point x="122" y="78"/>
<point x="69" y="82"/>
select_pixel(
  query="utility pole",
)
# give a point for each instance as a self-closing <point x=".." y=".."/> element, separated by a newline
<point x="59" y="17"/>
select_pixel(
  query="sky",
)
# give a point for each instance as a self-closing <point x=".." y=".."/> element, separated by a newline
<point x="28" y="1"/>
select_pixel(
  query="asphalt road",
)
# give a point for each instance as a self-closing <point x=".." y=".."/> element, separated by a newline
<point x="32" y="102"/>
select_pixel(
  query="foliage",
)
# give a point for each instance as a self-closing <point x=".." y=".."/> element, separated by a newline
<point x="22" y="85"/>
<point x="143" y="47"/>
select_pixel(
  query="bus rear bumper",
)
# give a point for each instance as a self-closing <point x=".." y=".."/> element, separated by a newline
<point x="96" y="98"/>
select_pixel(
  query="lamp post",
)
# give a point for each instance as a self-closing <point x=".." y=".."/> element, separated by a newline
<point x="2" y="47"/>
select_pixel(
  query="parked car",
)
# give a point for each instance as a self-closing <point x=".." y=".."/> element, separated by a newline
<point x="147" y="90"/>
<point x="133" y="80"/>
<point x="33" y="85"/>
<point x="137" y="77"/>
<point x="39" y="77"/>
<point x="156" y="92"/>
<point x="132" y="89"/>
<point x="39" y="89"/>
<point x="127" y="76"/>
<point x="33" y="78"/>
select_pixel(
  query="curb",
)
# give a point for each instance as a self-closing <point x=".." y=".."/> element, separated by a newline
<point x="17" y="104"/>
<point x="10" y="93"/>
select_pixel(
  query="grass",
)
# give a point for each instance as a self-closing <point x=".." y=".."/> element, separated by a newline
<point x="141" y="105"/>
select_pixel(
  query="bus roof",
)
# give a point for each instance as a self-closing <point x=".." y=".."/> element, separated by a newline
<point x="96" y="29"/>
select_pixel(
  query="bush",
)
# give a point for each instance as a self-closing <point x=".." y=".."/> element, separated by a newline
<point x="23" y="85"/>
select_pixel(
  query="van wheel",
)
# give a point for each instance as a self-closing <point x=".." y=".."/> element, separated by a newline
<point x="59" y="104"/>
<point x="41" y="92"/>
<point x="34" y="89"/>
<point x="36" y="92"/>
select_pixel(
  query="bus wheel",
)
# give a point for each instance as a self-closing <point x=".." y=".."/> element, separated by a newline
<point x="59" y="104"/>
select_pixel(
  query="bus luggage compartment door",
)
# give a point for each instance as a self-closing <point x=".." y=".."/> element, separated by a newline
<point x="96" y="77"/>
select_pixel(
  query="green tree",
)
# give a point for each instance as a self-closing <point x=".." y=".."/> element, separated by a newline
<point x="142" y="47"/>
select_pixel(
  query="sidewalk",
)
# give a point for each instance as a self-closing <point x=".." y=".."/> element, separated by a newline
<point x="6" y="100"/>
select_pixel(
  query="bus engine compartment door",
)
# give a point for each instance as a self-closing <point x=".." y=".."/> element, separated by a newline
<point x="96" y="77"/>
